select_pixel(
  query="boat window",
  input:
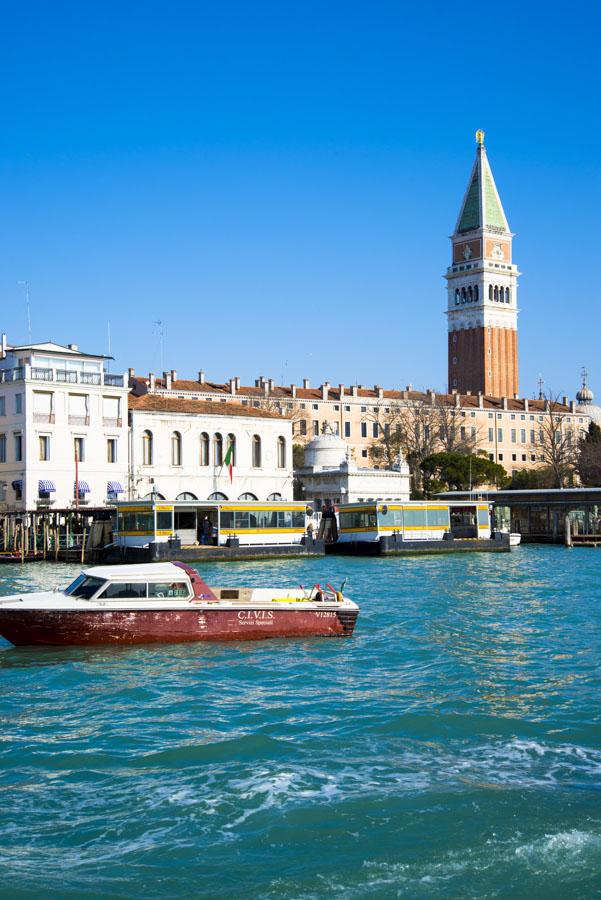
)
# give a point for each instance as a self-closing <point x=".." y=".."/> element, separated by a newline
<point x="164" y="521"/>
<point x="355" y="519"/>
<point x="415" y="518"/>
<point x="168" y="589"/>
<point x="85" y="586"/>
<point x="130" y="590"/>
<point x="438" y="518"/>
<point x="483" y="517"/>
<point x="298" y="519"/>
<point x="284" y="518"/>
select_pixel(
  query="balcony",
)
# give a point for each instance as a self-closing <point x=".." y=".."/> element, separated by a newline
<point x="79" y="420"/>
<point x="113" y="380"/>
<point x="66" y="377"/>
<point x="111" y="423"/>
<point x="41" y="374"/>
<point x="89" y="378"/>
<point x="43" y="418"/>
<point x="16" y="374"/>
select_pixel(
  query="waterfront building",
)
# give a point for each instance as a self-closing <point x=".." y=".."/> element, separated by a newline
<point x="182" y="449"/>
<point x="330" y="475"/>
<point x="63" y="428"/>
<point x="508" y="429"/>
<point x="482" y="291"/>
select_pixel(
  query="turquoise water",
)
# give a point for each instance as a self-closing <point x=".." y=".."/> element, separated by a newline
<point x="451" y="748"/>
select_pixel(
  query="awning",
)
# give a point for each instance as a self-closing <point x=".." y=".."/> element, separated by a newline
<point x="46" y="487"/>
<point x="82" y="487"/>
<point x="17" y="485"/>
<point x="113" y="487"/>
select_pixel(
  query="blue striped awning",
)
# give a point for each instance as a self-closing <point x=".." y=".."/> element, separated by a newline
<point x="17" y="484"/>
<point x="113" y="487"/>
<point x="46" y="487"/>
<point x="82" y="487"/>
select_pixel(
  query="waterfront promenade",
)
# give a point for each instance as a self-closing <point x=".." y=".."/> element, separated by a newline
<point x="451" y="748"/>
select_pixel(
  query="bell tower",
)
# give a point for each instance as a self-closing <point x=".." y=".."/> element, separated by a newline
<point x="482" y="290"/>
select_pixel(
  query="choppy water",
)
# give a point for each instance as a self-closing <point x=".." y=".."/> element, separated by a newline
<point x="452" y="748"/>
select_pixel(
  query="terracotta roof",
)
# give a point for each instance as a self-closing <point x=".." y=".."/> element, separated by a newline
<point x="280" y="392"/>
<point x="158" y="403"/>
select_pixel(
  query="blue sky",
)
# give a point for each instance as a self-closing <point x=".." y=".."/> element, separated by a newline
<point x="277" y="182"/>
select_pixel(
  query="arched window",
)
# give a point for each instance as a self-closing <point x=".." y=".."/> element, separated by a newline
<point x="470" y="294"/>
<point x="176" y="449"/>
<point x="186" y="496"/>
<point x="153" y="496"/>
<point x="217" y="495"/>
<point x="256" y="451"/>
<point x="247" y="496"/>
<point x="507" y="295"/>
<point x="281" y="452"/>
<point x="231" y="442"/>
<point x="204" y="449"/>
<point x="496" y="294"/>
<point x="475" y="293"/>
<point x="463" y="295"/>
<point x="457" y="296"/>
<point x="218" y="449"/>
<point x="490" y="291"/>
<point x="275" y="496"/>
<point x="147" y="448"/>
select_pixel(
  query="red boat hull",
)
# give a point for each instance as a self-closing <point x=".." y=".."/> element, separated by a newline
<point x="81" y="627"/>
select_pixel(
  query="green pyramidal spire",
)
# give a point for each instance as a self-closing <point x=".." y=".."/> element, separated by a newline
<point x="481" y="206"/>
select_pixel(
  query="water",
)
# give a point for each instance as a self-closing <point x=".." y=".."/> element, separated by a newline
<point x="451" y="748"/>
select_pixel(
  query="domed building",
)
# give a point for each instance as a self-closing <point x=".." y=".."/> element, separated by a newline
<point x="585" y="402"/>
<point x="329" y="475"/>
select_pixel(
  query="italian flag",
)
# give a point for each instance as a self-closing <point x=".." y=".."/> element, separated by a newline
<point x="228" y="461"/>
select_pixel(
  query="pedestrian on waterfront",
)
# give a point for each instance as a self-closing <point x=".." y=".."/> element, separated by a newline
<point x="205" y="530"/>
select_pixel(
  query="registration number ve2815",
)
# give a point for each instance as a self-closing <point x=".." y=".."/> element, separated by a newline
<point x="325" y="615"/>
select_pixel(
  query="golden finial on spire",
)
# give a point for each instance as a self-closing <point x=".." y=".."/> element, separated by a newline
<point x="480" y="137"/>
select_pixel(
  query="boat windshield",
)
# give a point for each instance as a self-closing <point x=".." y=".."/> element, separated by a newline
<point x="84" y="586"/>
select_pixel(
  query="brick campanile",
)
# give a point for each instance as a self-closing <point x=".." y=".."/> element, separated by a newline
<point x="482" y="291"/>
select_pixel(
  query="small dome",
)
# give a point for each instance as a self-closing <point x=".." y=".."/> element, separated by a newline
<point x="585" y="395"/>
<point x="325" y="451"/>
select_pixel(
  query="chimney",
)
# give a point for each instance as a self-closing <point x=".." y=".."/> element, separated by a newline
<point x="354" y="390"/>
<point x="173" y="375"/>
<point x="237" y="382"/>
<point x="409" y="387"/>
<point x="3" y="346"/>
<point x="324" y="390"/>
<point x="516" y="396"/>
<point x="270" y="385"/>
<point x="232" y="384"/>
<point x="379" y="391"/>
<point x="457" y="399"/>
<point x="131" y="373"/>
<point x="201" y="376"/>
<point x="306" y="384"/>
<point x="504" y="403"/>
<point x="565" y="401"/>
<point x="293" y="391"/>
<point x="167" y="378"/>
<point x="73" y="347"/>
<point x="468" y="393"/>
<point x="430" y="393"/>
<point x="152" y="382"/>
<point x="341" y="391"/>
<point x="405" y="394"/>
<point x="480" y="400"/>
<point x="572" y="406"/>
<point x="526" y="404"/>
<point x="547" y="406"/>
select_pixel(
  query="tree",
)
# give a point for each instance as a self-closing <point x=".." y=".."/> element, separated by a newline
<point x="529" y="479"/>
<point x="557" y="444"/>
<point x="588" y="465"/>
<point x="460" y="472"/>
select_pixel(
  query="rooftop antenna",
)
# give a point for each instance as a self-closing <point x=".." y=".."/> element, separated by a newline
<point x="25" y="286"/>
<point x="108" y="334"/>
<point x="161" y="332"/>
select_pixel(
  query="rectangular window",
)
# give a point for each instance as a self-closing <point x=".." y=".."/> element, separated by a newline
<point x="2" y="406"/>
<point x="2" y="491"/>
<point x="177" y="589"/>
<point x="513" y="436"/>
<point x="347" y="429"/>
<point x="499" y="434"/>
<point x="79" y="449"/>
<point x="111" y="412"/>
<point x="2" y="448"/>
<point x="375" y="430"/>
<point x="129" y="591"/>
<point x="303" y="426"/>
<point x="364" y="409"/>
<point x="363" y="429"/>
<point x="514" y="457"/>
<point x="491" y="435"/>
<point x="501" y="456"/>
<point x="473" y="431"/>
<point x="111" y="450"/>
<point x="18" y="447"/>
<point x="79" y="409"/>
<point x="364" y="454"/>
<point x="44" y="446"/>
<point x="532" y="437"/>
<point x="523" y="435"/>
<point x="315" y="427"/>
<point x="347" y="409"/>
<point x="336" y="408"/>
<point x="315" y="406"/>
<point x="463" y="433"/>
<point x="18" y="403"/>
<point x="336" y="427"/>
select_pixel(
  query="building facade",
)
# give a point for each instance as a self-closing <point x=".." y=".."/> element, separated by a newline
<point x="63" y="428"/>
<point x="482" y="291"/>
<point x="509" y="430"/>
<point x="182" y="449"/>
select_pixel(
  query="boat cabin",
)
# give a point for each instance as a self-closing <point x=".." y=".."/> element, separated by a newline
<point x="139" y="523"/>
<point x="413" y="520"/>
